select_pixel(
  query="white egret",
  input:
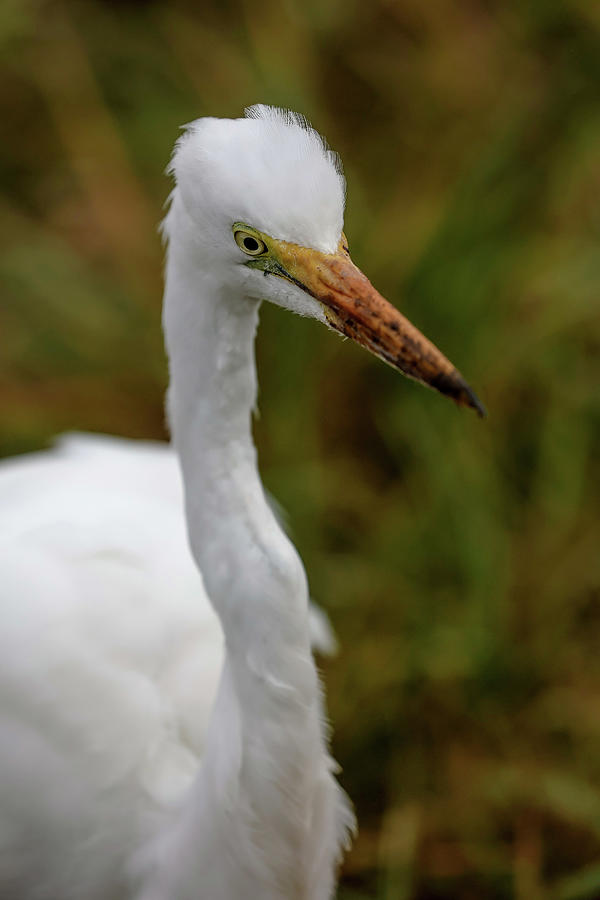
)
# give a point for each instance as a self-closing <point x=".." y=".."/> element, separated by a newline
<point x="141" y="756"/>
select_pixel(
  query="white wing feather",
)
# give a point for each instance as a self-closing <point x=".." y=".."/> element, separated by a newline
<point x="110" y="656"/>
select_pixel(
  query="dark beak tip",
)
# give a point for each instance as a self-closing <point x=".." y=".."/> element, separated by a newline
<point x="454" y="385"/>
<point x="475" y="403"/>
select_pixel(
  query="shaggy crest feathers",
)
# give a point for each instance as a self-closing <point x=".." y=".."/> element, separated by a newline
<point x="277" y="116"/>
<point x="238" y="170"/>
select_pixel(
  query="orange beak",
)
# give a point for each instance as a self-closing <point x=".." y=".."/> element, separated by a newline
<point x="355" y="309"/>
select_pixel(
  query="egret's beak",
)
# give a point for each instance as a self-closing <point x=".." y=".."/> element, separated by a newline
<point x="354" y="308"/>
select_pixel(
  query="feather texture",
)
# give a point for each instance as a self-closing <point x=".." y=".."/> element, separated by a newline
<point x="109" y="666"/>
<point x="155" y="744"/>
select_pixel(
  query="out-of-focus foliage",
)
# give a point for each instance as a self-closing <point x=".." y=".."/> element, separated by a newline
<point x="459" y="560"/>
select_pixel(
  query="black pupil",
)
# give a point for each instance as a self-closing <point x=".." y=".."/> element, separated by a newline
<point x="251" y="244"/>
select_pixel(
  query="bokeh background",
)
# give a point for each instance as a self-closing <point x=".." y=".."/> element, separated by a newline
<point x="458" y="559"/>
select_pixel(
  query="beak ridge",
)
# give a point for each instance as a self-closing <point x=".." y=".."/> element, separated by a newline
<point x="355" y="309"/>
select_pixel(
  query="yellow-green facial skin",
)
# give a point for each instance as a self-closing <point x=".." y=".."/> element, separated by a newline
<point x="258" y="247"/>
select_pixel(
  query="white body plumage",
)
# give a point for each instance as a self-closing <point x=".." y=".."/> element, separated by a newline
<point x="111" y="658"/>
<point x="112" y="781"/>
<point x="155" y="745"/>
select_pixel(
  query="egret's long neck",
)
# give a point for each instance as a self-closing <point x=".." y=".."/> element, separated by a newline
<point x="245" y="558"/>
<point x="265" y="806"/>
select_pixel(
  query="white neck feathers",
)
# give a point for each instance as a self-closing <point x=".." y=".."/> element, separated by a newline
<point x="265" y="798"/>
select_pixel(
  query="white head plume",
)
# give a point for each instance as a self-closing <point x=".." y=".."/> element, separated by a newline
<point x="230" y="170"/>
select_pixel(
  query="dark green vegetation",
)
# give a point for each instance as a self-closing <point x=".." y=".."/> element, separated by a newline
<point x="459" y="559"/>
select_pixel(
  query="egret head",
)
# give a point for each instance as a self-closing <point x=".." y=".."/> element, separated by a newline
<point x="264" y="196"/>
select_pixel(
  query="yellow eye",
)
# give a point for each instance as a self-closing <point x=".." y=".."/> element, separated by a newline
<point x="249" y="243"/>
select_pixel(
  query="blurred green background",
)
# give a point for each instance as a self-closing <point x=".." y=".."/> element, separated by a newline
<point x="458" y="559"/>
